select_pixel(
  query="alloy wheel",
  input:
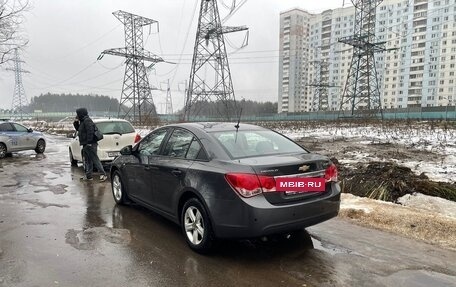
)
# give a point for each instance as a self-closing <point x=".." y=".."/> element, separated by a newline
<point x="117" y="188"/>
<point x="194" y="225"/>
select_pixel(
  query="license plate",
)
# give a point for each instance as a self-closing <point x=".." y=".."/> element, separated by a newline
<point x="290" y="193"/>
<point x="113" y="154"/>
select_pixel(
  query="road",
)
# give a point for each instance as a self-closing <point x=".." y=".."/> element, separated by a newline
<point x="58" y="231"/>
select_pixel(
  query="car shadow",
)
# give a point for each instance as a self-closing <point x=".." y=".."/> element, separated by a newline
<point x="141" y="221"/>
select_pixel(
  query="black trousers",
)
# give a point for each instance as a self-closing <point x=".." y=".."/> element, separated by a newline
<point x="91" y="159"/>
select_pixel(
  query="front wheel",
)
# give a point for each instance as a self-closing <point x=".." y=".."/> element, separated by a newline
<point x="3" y="151"/>
<point x="118" y="189"/>
<point x="40" y="146"/>
<point x="196" y="226"/>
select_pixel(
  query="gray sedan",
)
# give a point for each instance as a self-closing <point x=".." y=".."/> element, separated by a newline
<point x="221" y="180"/>
<point x="15" y="137"/>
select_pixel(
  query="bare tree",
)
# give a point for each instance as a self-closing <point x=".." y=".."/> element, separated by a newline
<point x="11" y="19"/>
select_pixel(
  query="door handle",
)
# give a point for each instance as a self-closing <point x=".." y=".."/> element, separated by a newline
<point x="149" y="167"/>
<point x="176" y="172"/>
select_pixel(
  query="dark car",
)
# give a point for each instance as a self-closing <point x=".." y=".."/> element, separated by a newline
<point x="219" y="181"/>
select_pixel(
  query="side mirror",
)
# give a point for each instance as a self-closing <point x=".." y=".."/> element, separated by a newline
<point x="29" y="130"/>
<point x="128" y="150"/>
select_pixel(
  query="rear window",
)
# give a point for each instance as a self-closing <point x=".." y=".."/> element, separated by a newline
<point x="255" y="143"/>
<point x="115" y="128"/>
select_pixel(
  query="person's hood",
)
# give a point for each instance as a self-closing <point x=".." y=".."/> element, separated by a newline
<point x="82" y="113"/>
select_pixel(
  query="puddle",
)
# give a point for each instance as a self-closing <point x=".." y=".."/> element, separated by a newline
<point x="45" y="205"/>
<point x="331" y="248"/>
<point x="89" y="238"/>
<point x="37" y="223"/>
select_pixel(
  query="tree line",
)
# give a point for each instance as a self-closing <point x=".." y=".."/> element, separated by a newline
<point x="69" y="103"/>
<point x="221" y="108"/>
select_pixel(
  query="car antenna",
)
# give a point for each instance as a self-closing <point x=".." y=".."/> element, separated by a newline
<point x="237" y="126"/>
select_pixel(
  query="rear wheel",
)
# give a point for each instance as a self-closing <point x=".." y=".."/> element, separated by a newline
<point x="118" y="189"/>
<point x="2" y="150"/>
<point x="72" y="160"/>
<point x="196" y="226"/>
<point x="40" y="146"/>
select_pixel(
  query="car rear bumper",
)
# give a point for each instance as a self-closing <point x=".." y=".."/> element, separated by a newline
<point x="255" y="217"/>
<point x="107" y="156"/>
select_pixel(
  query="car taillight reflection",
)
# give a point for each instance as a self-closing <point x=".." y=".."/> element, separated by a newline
<point x="331" y="173"/>
<point x="137" y="138"/>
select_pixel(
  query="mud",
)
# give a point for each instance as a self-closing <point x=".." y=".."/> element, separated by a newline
<point x="388" y="181"/>
<point x="378" y="171"/>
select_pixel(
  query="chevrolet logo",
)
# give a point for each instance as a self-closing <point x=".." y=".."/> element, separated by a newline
<point x="304" y="168"/>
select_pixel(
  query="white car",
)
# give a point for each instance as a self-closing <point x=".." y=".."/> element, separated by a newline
<point x="117" y="134"/>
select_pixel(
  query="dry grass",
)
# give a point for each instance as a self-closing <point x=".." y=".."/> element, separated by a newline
<point x="427" y="226"/>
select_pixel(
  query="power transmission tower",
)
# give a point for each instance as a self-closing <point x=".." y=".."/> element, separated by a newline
<point x="210" y="76"/>
<point x="169" y="101"/>
<point x="321" y="84"/>
<point x="136" y="103"/>
<point x="362" y="90"/>
<point x="19" y="98"/>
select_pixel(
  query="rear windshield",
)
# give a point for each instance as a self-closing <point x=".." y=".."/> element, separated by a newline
<point x="255" y="143"/>
<point x="115" y="128"/>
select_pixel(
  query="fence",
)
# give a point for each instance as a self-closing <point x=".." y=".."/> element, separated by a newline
<point x="447" y="113"/>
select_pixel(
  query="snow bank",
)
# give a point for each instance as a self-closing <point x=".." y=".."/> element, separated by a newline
<point x="429" y="203"/>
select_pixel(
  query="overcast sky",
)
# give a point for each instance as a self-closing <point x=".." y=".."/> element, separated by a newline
<point x="66" y="38"/>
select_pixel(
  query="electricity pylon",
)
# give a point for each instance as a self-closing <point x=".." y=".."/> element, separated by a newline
<point x="136" y="103"/>
<point x="169" y="101"/>
<point x="362" y="90"/>
<point x="19" y="98"/>
<point x="321" y="84"/>
<point x="210" y="76"/>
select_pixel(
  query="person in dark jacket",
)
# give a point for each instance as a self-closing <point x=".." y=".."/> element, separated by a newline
<point x="86" y="133"/>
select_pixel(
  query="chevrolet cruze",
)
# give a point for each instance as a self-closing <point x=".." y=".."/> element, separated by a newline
<point x="220" y="180"/>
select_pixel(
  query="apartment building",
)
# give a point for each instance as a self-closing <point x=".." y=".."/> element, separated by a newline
<point x="417" y="68"/>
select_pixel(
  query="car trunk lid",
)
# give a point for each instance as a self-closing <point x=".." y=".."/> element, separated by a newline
<point x="290" y="166"/>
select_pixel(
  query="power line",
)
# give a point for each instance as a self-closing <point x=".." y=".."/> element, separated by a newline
<point x="91" y="43"/>
<point x="185" y="41"/>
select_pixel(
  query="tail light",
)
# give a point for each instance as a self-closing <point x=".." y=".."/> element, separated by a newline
<point x="137" y="138"/>
<point x="331" y="173"/>
<point x="249" y="185"/>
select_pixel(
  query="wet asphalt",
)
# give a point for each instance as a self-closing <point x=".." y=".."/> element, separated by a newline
<point x="58" y="231"/>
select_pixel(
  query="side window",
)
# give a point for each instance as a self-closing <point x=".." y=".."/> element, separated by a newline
<point x="150" y="145"/>
<point x="20" y="128"/>
<point x="194" y="150"/>
<point x="182" y="144"/>
<point x="6" y="127"/>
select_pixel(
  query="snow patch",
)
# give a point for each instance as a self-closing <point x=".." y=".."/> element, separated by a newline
<point x="429" y="203"/>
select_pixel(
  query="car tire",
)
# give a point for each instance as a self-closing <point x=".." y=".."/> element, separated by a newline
<point x="196" y="226"/>
<point x="72" y="160"/>
<point x="40" y="146"/>
<point x="118" y="189"/>
<point x="3" y="151"/>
